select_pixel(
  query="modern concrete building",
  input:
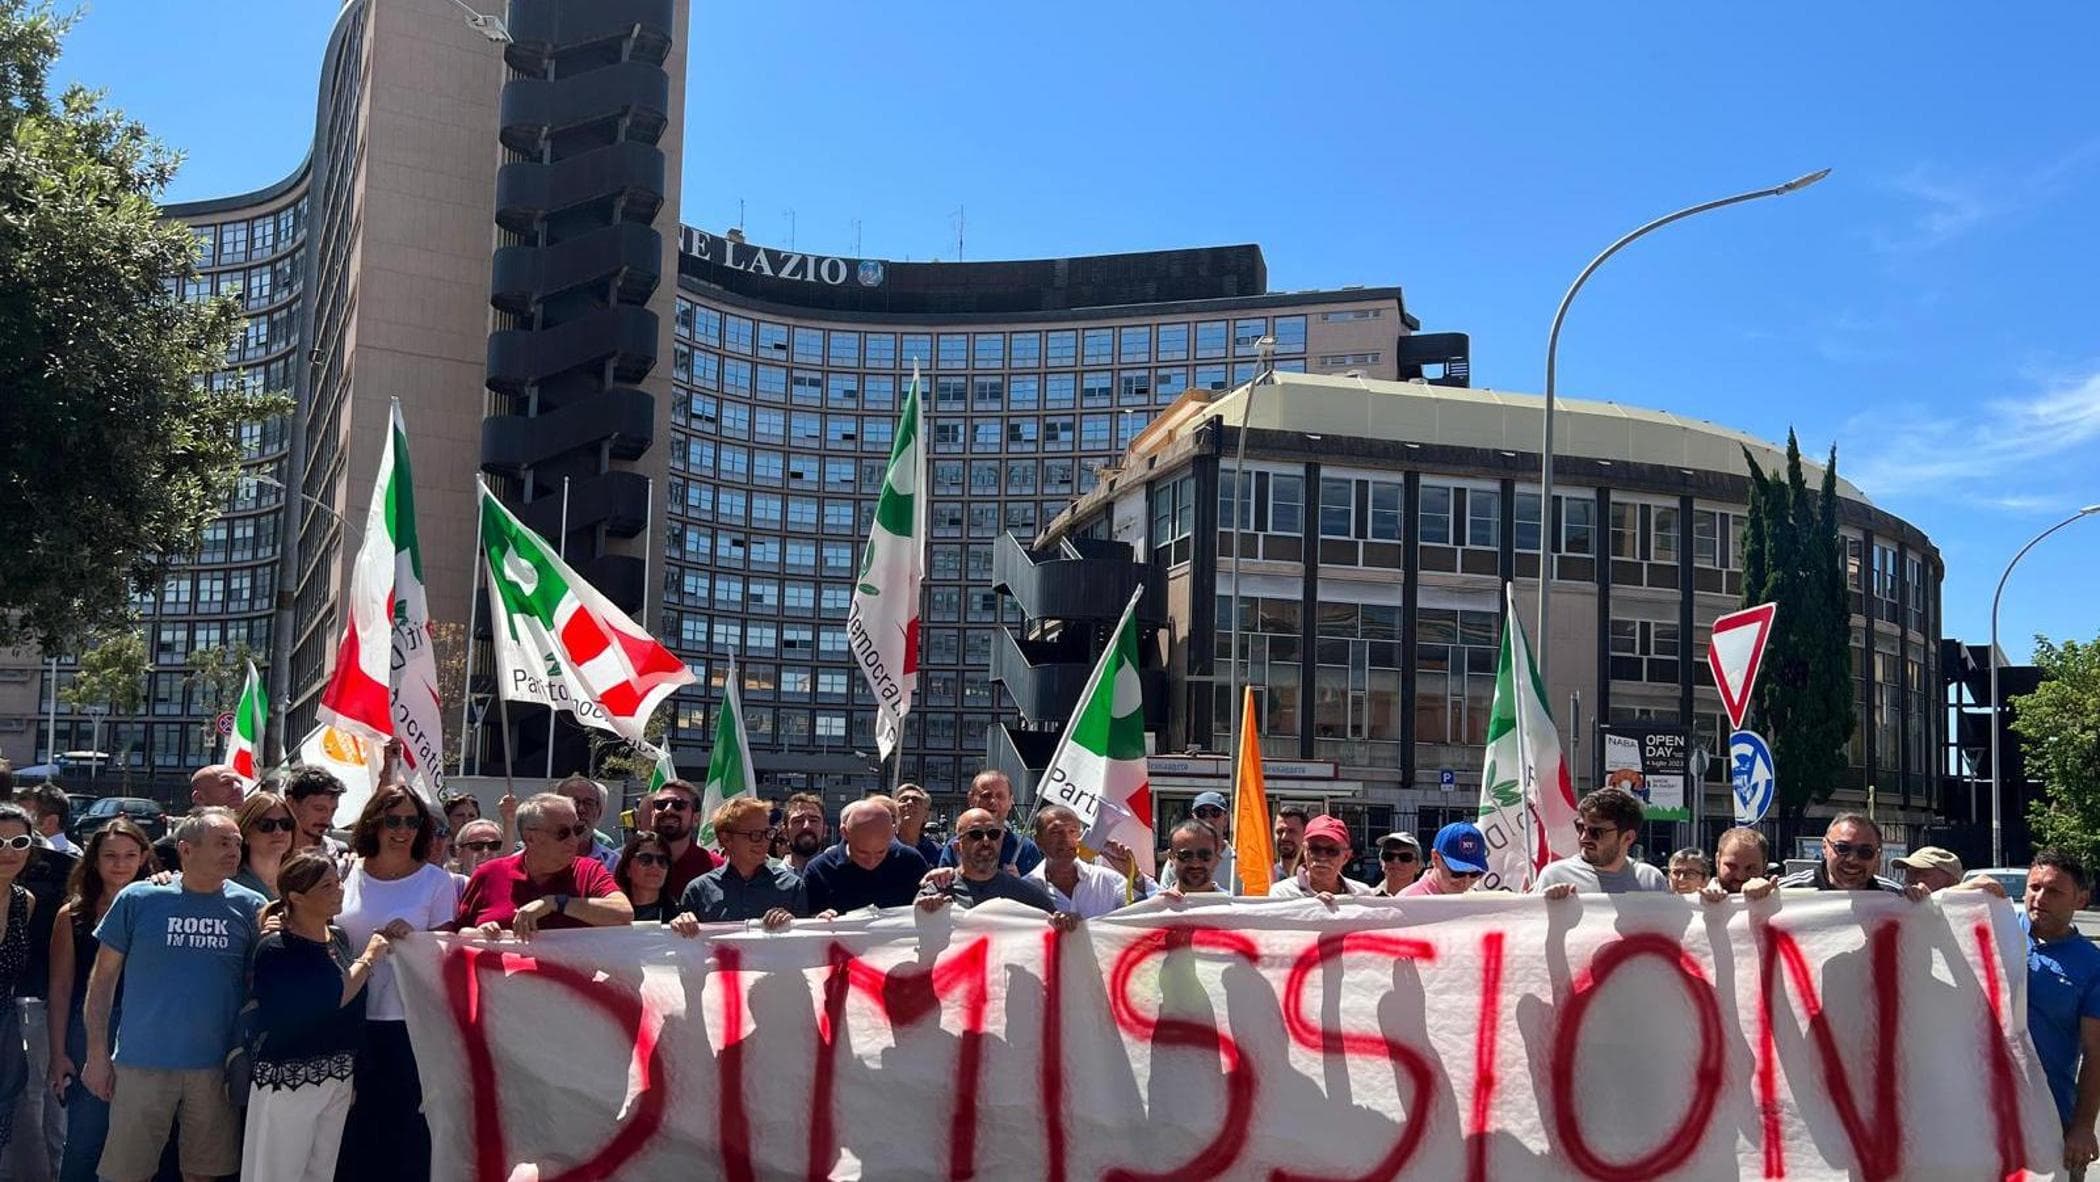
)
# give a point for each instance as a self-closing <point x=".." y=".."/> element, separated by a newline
<point x="1380" y="523"/>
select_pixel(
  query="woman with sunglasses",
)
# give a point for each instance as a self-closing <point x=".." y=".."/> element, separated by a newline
<point x="118" y="855"/>
<point x="16" y="904"/>
<point x="643" y="866"/>
<point x="266" y="839"/>
<point x="392" y="890"/>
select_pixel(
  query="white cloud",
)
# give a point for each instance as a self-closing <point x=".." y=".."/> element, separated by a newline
<point x="1950" y="206"/>
<point x="1999" y="454"/>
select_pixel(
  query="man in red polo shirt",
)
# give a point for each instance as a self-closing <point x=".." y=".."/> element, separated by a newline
<point x="546" y="884"/>
<point x="674" y="812"/>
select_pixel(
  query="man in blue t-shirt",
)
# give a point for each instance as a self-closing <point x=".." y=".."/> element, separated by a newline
<point x="2063" y="997"/>
<point x="184" y="949"/>
<point x="870" y="868"/>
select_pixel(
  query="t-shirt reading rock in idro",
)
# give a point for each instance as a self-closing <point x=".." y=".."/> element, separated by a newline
<point x="186" y="953"/>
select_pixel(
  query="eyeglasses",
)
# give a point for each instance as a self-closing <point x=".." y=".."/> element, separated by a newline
<point x="560" y="832"/>
<point x="1194" y="855"/>
<point x="1396" y="856"/>
<point x="672" y="804"/>
<point x="981" y="834"/>
<point x="480" y="847"/>
<point x="1595" y="832"/>
<point x="1860" y="850"/>
<point x="399" y="821"/>
<point x="276" y="825"/>
<point x="1210" y="812"/>
<point x="20" y="841"/>
<point x="746" y="834"/>
<point x="1322" y="849"/>
<point x="1463" y="873"/>
<point x="651" y="860"/>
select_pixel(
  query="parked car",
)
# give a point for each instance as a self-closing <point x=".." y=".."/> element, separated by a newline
<point x="77" y="804"/>
<point x="2012" y="878"/>
<point x="146" y="814"/>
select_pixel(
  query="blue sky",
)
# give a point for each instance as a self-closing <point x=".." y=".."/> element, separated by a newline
<point x="1933" y="308"/>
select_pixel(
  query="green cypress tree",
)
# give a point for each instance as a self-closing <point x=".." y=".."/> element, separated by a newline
<point x="1794" y="556"/>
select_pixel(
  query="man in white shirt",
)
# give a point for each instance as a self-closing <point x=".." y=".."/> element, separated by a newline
<point x="48" y="804"/>
<point x="1327" y="848"/>
<point x="1080" y="887"/>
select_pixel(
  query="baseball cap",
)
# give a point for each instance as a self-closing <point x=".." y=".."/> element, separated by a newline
<point x="1931" y="857"/>
<point x="1401" y="838"/>
<point x="1330" y="828"/>
<point x="1208" y="800"/>
<point x="1463" y="847"/>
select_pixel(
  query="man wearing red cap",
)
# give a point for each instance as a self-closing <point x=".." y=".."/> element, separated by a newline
<point x="1326" y="850"/>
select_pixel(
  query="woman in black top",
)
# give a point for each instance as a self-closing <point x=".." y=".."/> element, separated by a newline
<point x="309" y="1020"/>
<point x="118" y="855"/>
<point x="641" y="871"/>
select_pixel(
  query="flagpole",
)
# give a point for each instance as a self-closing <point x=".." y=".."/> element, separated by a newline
<point x="510" y="782"/>
<point x="648" y="548"/>
<point x="561" y="550"/>
<point x="466" y="689"/>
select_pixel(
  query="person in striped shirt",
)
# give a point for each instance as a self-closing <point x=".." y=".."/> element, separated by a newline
<point x="1851" y="855"/>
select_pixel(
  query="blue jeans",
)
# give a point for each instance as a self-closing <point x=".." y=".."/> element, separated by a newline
<point x="87" y="1124"/>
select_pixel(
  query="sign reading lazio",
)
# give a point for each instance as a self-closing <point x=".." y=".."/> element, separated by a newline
<point x="1479" y="1037"/>
<point x="824" y="270"/>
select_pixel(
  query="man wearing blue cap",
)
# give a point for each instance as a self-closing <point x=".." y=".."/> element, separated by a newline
<point x="1457" y="859"/>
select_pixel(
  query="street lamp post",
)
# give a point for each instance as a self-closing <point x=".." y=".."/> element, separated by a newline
<point x="281" y="629"/>
<point x="1240" y="497"/>
<point x="1998" y="704"/>
<point x="1540" y="650"/>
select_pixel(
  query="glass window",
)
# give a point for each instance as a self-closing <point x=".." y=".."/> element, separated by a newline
<point x="955" y="350"/>
<point x="878" y="391"/>
<point x="1022" y="435"/>
<point x="1578" y="525"/>
<point x="1134" y="344"/>
<point x="1286" y="504"/>
<point x="1385" y="511"/>
<point x="809" y="346"/>
<point x="808" y="388"/>
<point x="984" y="436"/>
<point x="844" y="349"/>
<point x="1020" y="477"/>
<point x="773" y="341"/>
<point x="1290" y="334"/>
<point x="1133" y="387"/>
<point x="1663" y="534"/>
<point x="988" y="350"/>
<point x="1063" y="349"/>
<point x="842" y="389"/>
<point x="1483" y="518"/>
<point x="1097" y="389"/>
<point x="739" y="334"/>
<point x="1173" y="342"/>
<point x="1098" y="346"/>
<point x="1210" y="377"/>
<point x="1625" y="530"/>
<point x="1210" y="340"/>
<point x="1247" y="335"/>
<point x="1057" y="476"/>
<point x="1059" y="391"/>
<point x="1167" y="384"/>
<point x="881" y="350"/>
<point x="1528" y="527"/>
<point x="1337" y="508"/>
<point x="707" y="326"/>
<point x="988" y="393"/>
<point x="1093" y="433"/>
<point x="736" y="377"/>
<point x="1025" y="350"/>
<point x="1023" y="391"/>
<point x="1436" y="515"/>
<point x="917" y="349"/>
<point x="1706" y="537"/>
<point x="772" y="383"/>
<point x="984" y="478"/>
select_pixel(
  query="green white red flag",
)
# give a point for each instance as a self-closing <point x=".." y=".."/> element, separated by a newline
<point x="244" y="741"/>
<point x="560" y="643"/>
<point x="385" y="680"/>
<point x="1098" y="770"/>
<point x="882" y="626"/>
<point x="1527" y="803"/>
<point x="729" y="762"/>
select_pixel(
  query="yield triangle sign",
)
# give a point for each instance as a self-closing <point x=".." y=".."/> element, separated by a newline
<point x="1737" y="650"/>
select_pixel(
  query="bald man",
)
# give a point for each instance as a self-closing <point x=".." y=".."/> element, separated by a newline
<point x="869" y="868"/>
<point x="215" y="785"/>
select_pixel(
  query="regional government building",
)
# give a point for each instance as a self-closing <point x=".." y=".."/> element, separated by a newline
<point x="489" y="232"/>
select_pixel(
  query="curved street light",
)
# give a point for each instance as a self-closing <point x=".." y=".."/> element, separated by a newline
<point x="1997" y="704"/>
<point x="1539" y="649"/>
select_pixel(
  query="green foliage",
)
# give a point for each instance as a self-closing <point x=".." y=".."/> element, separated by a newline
<point x="1793" y="556"/>
<point x="617" y="759"/>
<point x="114" y="450"/>
<point x="2059" y="729"/>
<point x="112" y="675"/>
<point x="216" y="678"/>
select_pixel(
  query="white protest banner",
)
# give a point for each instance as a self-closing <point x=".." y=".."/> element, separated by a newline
<point x="1479" y="1037"/>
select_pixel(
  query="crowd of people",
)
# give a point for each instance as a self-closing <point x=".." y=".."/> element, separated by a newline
<point x="222" y="1002"/>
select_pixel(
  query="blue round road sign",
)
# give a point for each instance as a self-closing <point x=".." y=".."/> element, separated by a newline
<point x="1755" y="780"/>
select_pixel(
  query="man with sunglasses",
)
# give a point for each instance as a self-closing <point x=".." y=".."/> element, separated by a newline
<point x="1607" y="823"/>
<point x="589" y="797"/>
<point x="1457" y="861"/>
<point x="546" y="885"/>
<point x="1087" y="889"/>
<point x="991" y="791"/>
<point x="745" y="886"/>
<point x="674" y="812"/>
<point x="1400" y="861"/>
<point x="980" y="836"/>
<point x="1193" y="846"/>
<point x="1851" y="854"/>
<point x="1326" y="852"/>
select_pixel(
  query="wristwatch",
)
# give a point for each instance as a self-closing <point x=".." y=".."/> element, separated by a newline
<point x="561" y="904"/>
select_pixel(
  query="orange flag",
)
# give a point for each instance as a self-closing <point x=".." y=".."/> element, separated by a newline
<point x="1252" y="854"/>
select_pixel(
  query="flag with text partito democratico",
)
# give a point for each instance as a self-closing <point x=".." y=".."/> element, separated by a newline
<point x="1527" y="804"/>
<point x="559" y="643"/>
<point x="729" y="763"/>
<point x="244" y="741"/>
<point x="882" y="627"/>
<point x="385" y="680"/>
<point x="1098" y="770"/>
